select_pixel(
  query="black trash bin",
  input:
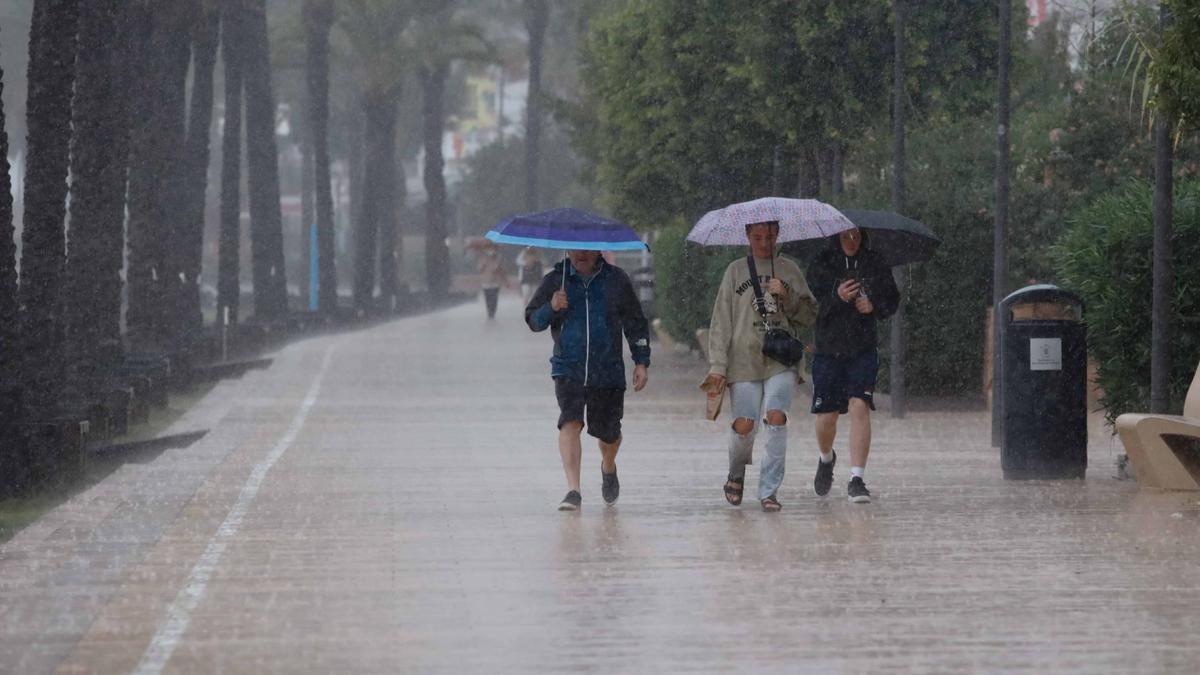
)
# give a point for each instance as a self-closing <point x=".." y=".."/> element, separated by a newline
<point x="1043" y="384"/>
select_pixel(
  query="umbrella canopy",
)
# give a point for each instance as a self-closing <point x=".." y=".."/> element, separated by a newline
<point x="897" y="239"/>
<point x="798" y="219"/>
<point x="566" y="229"/>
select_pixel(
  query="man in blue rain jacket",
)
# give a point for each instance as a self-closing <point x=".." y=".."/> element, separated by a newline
<point x="586" y="316"/>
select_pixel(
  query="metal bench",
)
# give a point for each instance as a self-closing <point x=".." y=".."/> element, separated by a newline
<point x="1165" y="449"/>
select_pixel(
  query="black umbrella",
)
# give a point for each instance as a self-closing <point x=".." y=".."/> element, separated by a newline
<point x="897" y="239"/>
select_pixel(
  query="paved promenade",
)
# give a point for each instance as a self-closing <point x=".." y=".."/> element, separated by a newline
<point x="384" y="502"/>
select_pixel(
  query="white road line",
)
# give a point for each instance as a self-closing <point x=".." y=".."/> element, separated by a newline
<point x="163" y="644"/>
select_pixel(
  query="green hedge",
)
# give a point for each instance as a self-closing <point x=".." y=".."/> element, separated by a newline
<point x="950" y="189"/>
<point x="686" y="277"/>
<point x="1106" y="257"/>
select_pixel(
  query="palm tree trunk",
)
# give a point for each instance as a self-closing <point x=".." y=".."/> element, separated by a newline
<point x="205" y="37"/>
<point x="377" y="226"/>
<point x="388" y="211"/>
<point x="899" y="189"/>
<point x="837" y="168"/>
<point x="99" y="168"/>
<point x="266" y="219"/>
<point x="366" y="227"/>
<point x="810" y="175"/>
<point x="9" y="347"/>
<point x="825" y="159"/>
<point x="156" y="143"/>
<point x="229" y="245"/>
<point x="319" y="19"/>
<point x="437" y="256"/>
<point x="52" y="48"/>
<point x="307" y="207"/>
<point x="1162" y="283"/>
<point x="537" y="18"/>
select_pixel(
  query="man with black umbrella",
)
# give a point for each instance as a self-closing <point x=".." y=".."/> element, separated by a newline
<point x="854" y="290"/>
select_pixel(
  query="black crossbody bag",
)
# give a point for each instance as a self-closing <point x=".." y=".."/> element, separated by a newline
<point x="778" y="344"/>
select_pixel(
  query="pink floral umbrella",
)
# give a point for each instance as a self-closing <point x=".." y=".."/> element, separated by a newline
<point x="798" y="219"/>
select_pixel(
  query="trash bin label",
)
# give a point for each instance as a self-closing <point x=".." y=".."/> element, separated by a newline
<point x="1045" y="353"/>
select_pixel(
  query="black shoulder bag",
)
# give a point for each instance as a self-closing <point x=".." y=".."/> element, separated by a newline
<point x="778" y="344"/>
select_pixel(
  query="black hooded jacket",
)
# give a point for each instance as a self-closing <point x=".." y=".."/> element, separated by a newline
<point x="841" y="330"/>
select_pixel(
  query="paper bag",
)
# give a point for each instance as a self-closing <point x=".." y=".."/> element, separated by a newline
<point x="716" y="395"/>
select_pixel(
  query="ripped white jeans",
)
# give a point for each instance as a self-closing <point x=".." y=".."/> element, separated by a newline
<point x="752" y="400"/>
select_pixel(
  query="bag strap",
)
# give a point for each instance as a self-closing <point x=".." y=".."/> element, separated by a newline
<point x="758" y="292"/>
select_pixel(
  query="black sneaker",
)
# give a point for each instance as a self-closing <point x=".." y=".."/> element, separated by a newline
<point x="824" y="479"/>
<point x="610" y="487"/>
<point x="571" y="502"/>
<point x="857" y="491"/>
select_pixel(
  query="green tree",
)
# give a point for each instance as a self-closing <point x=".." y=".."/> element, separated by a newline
<point x="440" y="38"/>
<point x="52" y="49"/>
<point x="494" y="186"/>
<point x="229" y="239"/>
<point x="1106" y="256"/>
<point x="156" y="144"/>
<point x="205" y="37"/>
<point x="9" y="317"/>
<point x="262" y="164"/>
<point x="947" y="297"/>
<point x="376" y="33"/>
<point x="318" y="20"/>
<point x="537" y="19"/>
<point x="1175" y="70"/>
<point x="99" y="165"/>
<point x="664" y="118"/>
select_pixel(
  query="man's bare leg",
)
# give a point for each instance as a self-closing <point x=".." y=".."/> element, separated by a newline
<point x="826" y="429"/>
<point x="608" y="455"/>
<point x="860" y="432"/>
<point x="570" y="449"/>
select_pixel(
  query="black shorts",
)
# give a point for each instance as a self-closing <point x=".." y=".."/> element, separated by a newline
<point x="604" y="407"/>
<point x="837" y="379"/>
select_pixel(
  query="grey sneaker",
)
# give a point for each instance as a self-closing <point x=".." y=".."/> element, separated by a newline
<point x="857" y="491"/>
<point x="610" y="487"/>
<point x="571" y="502"/>
<point x="824" y="479"/>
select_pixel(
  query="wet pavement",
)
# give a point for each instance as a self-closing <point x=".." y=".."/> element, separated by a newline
<point x="384" y="502"/>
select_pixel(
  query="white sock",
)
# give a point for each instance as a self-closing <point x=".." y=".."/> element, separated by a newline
<point x="826" y="457"/>
<point x="856" y="472"/>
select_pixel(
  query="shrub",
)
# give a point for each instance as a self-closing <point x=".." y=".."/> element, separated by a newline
<point x="685" y="280"/>
<point x="946" y="298"/>
<point x="1106" y="257"/>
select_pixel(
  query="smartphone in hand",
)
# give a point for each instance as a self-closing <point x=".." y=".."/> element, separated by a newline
<point x="856" y="276"/>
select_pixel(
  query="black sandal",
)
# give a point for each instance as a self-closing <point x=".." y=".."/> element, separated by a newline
<point x="771" y="504"/>
<point x="733" y="495"/>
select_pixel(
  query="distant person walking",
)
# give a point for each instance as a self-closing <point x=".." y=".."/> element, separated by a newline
<point x="586" y="316"/>
<point x="854" y="290"/>
<point x="491" y="277"/>
<point x="530" y="264"/>
<point x="760" y="388"/>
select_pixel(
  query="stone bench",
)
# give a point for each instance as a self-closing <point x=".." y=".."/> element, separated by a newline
<point x="1165" y="449"/>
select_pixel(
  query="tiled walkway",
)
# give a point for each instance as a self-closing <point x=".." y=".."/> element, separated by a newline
<point x="383" y="502"/>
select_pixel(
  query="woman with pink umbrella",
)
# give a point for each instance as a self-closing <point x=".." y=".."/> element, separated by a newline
<point x="762" y="303"/>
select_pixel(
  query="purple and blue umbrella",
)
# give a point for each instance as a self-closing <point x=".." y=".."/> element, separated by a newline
<point x="566" y="229"/>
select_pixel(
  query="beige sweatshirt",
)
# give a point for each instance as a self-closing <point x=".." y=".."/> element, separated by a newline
<point x="491" y="270"/>
<point x="736" y="328"/>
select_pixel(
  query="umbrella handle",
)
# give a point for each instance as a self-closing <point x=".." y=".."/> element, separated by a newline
<point x="564" y="274"/>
